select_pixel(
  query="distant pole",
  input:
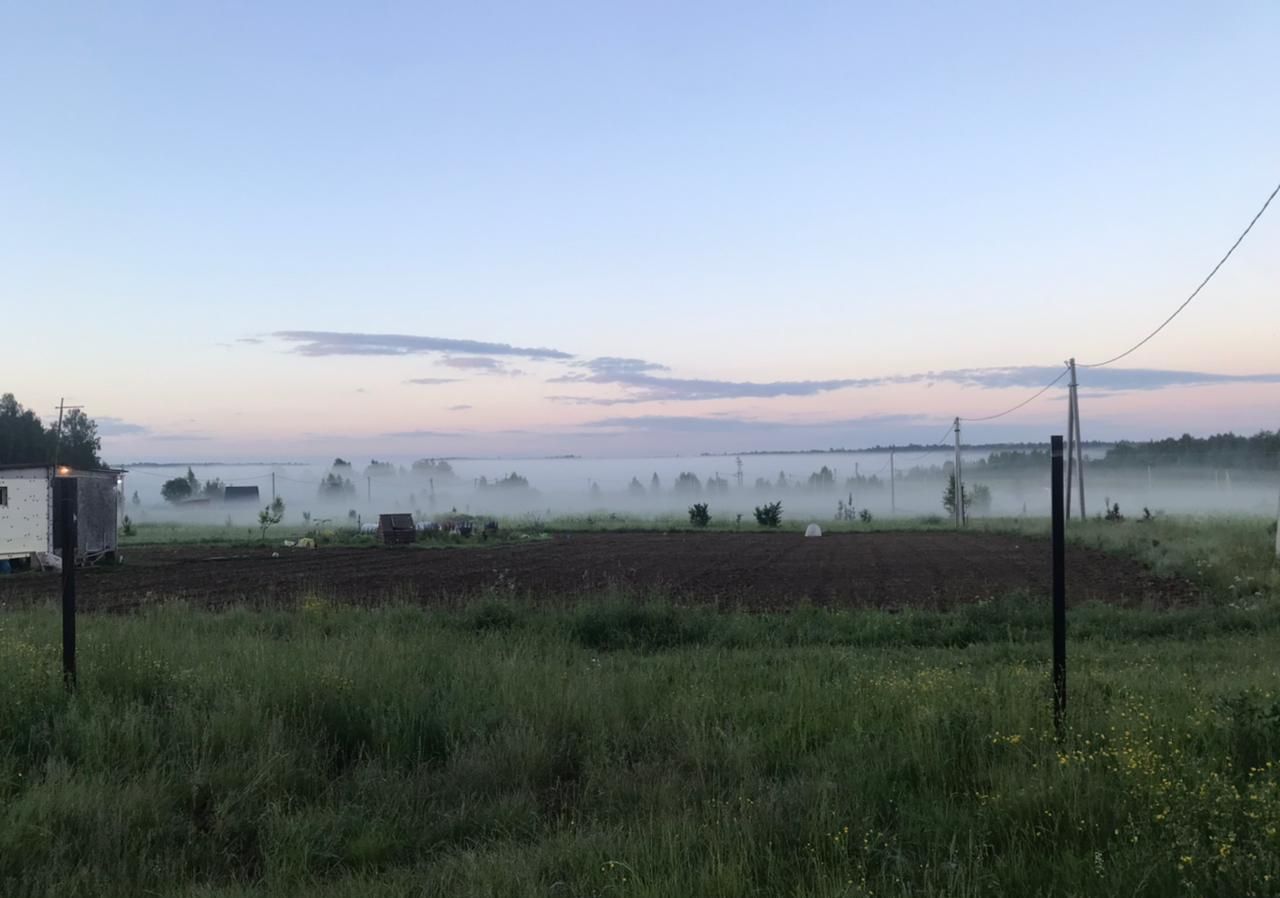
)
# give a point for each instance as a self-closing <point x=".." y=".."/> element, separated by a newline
<point x="68" y="502"/>
<point x="273" y="487"/>
<point x="893" y="486"/>
<point x="1056" y="497"/>
<point x="1075" y="406"/>
<point x="1071" y="433"/>
<point x="368" y="481"/>
<point x="959" y="483"/>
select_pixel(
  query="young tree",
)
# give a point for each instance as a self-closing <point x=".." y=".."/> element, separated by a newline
<point x="272" y="514"/>
<point x="699" y="515"/>
<point x="949" y="497"/>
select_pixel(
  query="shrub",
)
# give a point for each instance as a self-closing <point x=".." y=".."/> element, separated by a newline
<point x="176" y="490"/>
<point x="699" y="516"/>
<point x="127" y="526"/>
<point x="865" y="516"/>
<point x="769" y="515"/>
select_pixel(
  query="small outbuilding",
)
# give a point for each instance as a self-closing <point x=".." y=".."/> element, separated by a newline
<point x="31" y="519"/>
<point x="396" y="529"/>
<point x="240" y="494"/>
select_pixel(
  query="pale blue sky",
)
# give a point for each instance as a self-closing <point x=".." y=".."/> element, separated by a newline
<point x="741" y="193"/>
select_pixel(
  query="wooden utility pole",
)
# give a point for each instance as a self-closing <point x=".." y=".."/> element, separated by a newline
<point x="959" y="483"/>
<point x="1071" y="435"/>
<point x="1075" y="410"/>
<point x="273" y="487"/>
<point x="57" y="442"/>
<point x="893" y="486"/>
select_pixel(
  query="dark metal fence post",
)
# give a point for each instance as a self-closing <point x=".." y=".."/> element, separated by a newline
<point x="68" y="504"/>
<point x="1059" y="587"/>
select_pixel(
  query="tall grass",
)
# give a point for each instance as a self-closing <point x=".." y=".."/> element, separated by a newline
<point x="649" y="751"/>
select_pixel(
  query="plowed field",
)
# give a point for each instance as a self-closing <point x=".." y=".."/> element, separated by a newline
<point x="750" y="570"/>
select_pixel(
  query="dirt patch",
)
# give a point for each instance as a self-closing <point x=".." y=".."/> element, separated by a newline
<point x="751" y="570"/>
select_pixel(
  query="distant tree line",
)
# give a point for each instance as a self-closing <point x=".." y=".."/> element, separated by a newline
<point x="1222" y="450"/>
<point x="24" y="439"/>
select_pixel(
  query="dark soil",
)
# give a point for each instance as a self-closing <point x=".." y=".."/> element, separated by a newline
<point x="750" y="570"/>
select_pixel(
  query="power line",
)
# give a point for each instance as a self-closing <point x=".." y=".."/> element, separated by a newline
<point x="935" y="445"/>
<point x="1195" y="292"/>
<point x="1024" y="402"/>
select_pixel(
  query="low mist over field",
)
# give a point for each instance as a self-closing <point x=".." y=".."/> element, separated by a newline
<point x="819" y="486"/>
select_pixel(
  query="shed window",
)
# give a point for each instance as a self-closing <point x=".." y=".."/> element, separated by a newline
<point x="4" y="496"/>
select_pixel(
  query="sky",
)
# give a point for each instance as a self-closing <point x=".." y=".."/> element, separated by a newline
<point x="296" y="230"/>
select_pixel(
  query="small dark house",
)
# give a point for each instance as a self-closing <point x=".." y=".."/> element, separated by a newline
<point x="396" y="529"/>
<point x="240" y="494"/>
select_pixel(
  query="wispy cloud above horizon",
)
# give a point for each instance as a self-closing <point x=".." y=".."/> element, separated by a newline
<point x="421" y="434"/>
<point x="729" y="424"/>
<point x="642" y="386"/>
<point x="480" y="364"/>
<point x="337" y="343"/>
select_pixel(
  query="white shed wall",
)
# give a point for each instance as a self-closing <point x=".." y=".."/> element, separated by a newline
<point x="25" y="523"/>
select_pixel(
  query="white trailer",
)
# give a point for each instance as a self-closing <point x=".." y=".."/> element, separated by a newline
<point x="29" y="518"/>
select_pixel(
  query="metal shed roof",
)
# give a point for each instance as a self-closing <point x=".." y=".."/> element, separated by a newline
<point x="47" y="467"/>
